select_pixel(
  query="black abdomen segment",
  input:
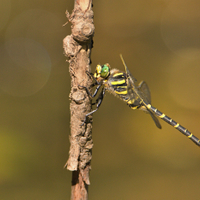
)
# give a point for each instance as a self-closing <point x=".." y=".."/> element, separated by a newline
<point x="174" y="124"/>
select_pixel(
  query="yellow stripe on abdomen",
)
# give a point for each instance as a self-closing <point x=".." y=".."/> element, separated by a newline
<point x="148" y="106"/>
<point x="162" y="116"/>
<point x="190" y="135"/>
<point x="177" y="125"/>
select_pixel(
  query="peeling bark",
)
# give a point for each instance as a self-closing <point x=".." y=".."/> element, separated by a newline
<point x="77" y="47"/>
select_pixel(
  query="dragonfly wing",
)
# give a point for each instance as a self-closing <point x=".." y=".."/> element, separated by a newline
<point x="144" y="91"/>
<point x="145" y="94"/>
<point x="127" y="71"/>
<point x="155" y="119"/>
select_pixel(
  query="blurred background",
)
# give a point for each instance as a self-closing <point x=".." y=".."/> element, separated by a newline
<point x="132" y="159"/>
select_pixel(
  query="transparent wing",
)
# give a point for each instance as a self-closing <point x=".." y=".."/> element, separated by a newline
<point x="142" y="91"/>
<point x="127" y="71"/>
<point x="155" y="119"/>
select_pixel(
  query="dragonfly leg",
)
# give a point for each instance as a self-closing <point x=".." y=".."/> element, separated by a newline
<point x="93" y="84"/>
<point x="88" y="92"/>
<point x="92" y="76"/>
<point x="98" y="102"/>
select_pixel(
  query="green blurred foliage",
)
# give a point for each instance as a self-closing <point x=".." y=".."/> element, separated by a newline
<point x="132" y="159"/>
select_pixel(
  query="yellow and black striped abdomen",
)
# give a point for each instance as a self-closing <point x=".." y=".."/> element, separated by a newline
<point x="174" y="124"/>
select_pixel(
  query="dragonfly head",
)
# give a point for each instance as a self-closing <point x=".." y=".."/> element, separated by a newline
<point x="102" y="71"/>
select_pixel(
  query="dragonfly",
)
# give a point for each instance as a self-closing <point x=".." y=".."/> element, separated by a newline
<point x="123" y="85"/>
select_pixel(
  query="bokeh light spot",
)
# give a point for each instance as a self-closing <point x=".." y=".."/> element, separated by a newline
<point x="25" y="67"/>
<point x="5" y="7"/>
<point x="180" y="26"/>
<point x="184" y="78"/>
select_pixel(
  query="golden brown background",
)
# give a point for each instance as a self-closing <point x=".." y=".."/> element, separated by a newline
<point x="132" y="159"/>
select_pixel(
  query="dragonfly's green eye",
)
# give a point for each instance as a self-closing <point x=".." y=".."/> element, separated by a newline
<point x="105" y="71"/>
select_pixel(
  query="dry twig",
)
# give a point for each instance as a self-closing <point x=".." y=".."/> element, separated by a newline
<point x="77" y="47"/>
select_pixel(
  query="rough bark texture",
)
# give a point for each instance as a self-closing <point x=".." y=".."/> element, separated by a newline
<point x="77" y="47"/>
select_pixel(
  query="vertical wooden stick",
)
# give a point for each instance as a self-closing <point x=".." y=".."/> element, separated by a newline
<point x="77" y="47"/>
